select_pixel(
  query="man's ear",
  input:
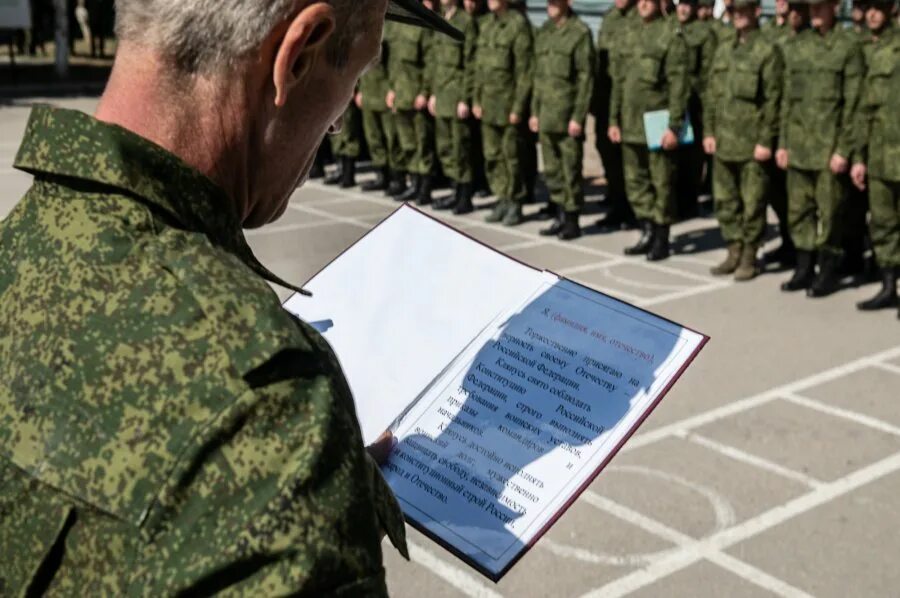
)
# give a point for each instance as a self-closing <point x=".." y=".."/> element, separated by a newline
<point x="306" y="35"/>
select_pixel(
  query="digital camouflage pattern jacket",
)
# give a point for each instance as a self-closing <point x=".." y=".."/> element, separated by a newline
<point x="878" y="125"/>
<point x="563" y="74"/>
<point x="503" y="67"/>
<point x="822" y="79"/>
<point x="452" y="66"/>
<point x="407" y="59"/>
<point x="743" y="97"/>
<point x="165" y="426"/>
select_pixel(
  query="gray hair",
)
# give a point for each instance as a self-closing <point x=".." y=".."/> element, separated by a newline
<point x="207" y="35"/>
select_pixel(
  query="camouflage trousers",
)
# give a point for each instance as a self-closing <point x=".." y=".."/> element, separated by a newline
<point x="650" y="183"/>
<point x="503" y="151"/>
<point x="740" y="189"/>
<point x="380" y="137"/>
<point x="454" y="148"/>
<point x="884" y="226"/>
<point x="816" y="201"/>
<point x="611" y="156"/>
<point x="563" y="169"/>
<point x="415" y="135"/>
<point x="348" y="143"/>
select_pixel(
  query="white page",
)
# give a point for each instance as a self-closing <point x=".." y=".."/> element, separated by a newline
<point x="402" y="303"/>
<point x="586" y="380"/>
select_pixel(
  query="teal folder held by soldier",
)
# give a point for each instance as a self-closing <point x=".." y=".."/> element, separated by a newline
<point x="656" y="123"/>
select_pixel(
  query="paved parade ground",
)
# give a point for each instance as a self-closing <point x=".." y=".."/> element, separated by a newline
<point x="772" y="468"/>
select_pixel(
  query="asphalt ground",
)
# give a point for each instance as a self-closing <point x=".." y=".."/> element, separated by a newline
<point x="772" y="468"/>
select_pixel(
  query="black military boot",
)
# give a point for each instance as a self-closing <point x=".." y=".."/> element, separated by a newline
<point x="348" y="173"/>
<point x="803" y="273"/>
<point x="827" y="282"/>
<point x="464" y="205"/>
<point x="426" y="185"/>
<point x="448" y="203"/>
<point x="659" y="247"/>
<point x="570" y="227"/>
<point x="887" y="296"/>
<point x="379" y="183"/>
<point x="556" y="226"/>
<point x="413" y="192"/>
<point x="337" y="176"/>
<point x="397" y="186"/>
<point x="643" y="245"/>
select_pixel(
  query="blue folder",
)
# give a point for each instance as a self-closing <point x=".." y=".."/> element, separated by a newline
<point x="656" y="123"/>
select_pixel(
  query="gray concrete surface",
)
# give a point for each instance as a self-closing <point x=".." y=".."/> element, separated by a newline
<point x="772" y="468"/>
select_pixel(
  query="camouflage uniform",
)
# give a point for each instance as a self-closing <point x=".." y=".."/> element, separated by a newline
<point x="451" y="84"/>
<point x="612" y="58"/>
<point x="502" y="86"/>
<point x="742" y="112"/>
<point x="564" y="78"/>
<point x="823" y="74"/>
<point x="879" y="146"/>
<point x="348" y="143"/>
<point x="378" y="122"/>
<point x="162" y="418"/>
<point x="655" y="78"/>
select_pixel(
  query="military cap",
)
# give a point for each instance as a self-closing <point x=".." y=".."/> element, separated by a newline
<point x="412" y="12"/>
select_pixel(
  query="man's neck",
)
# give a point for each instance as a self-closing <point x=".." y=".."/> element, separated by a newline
<point x="180" y="117"/>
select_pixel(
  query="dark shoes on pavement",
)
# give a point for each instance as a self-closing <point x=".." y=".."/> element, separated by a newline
<point x="887" y="297"/>
<point x="345" y="175"/>
<point x="379" y="183"/>
<point x="804" y="273"/>
<point x="565" y="226"/>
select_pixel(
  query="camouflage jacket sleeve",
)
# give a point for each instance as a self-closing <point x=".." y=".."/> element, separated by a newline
<point x="863" y="127"/>
<point x="523" y="47"/>
<point x="784" y="109"/>
<point x="772" y="80"/>
<point x="707" y="53"/>
<point x="469" y="47"/>
<point x="585" y="63"/>
<point x="678" y="80"/>
<point x="711" y="99"/>
<point x="854" y="71"/>
<point x="426" y="85"/>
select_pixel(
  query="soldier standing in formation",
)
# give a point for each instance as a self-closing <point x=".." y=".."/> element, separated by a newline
<point x="564" y="78"/>
<point x="450" y="104"/>
<point x="741" y="124"/>
<point x="501" y="95"/>
<point x="823" y="73"/>
<point x="346" y="147"/>
<point x="656" y="78"/>
<point x="378" y="123"/>
<point x="878" y="154"/>
<point x="612" y="56"/>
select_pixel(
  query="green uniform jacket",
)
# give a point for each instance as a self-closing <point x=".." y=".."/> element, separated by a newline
<point x="161" y="416"/>
<point x="503" y="59"/>
<point x="879" y="114"/>
<point x="701" y="44"/>
<point x="611" y="41"/>
<point x="775" y="33"/>
<point x="450" y="68"/>
<point x="655" y="78"/>
<point x="823" y="76"/>
<point x="374" y="85"/>
<point x="408" y="57"/>
<point x="563" y="74"/>
<point x="744" y="94"/>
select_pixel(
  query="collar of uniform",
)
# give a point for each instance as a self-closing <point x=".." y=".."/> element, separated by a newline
<point x="72" y="144"/>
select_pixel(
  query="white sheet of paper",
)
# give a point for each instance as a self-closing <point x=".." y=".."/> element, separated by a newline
<point x="495" y="450"/>
<point x="402" y="303"/>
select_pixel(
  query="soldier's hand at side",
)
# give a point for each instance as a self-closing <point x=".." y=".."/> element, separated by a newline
<point x="534" y="124"/>
<point x="381" y="449"/>
<point x="389" y="99"/>
<point x="839" y="164"/>
<point x="615" y="134"/>
<point x="858" y="175"/>
<point x="762" y="154"/>
<point x="462" y="111"/>
<point x="709" y="145"/>
<point x="358" y="100"/>
<point x="669" y="140"/>
<point x="477" y="111"/>
<point x="432" y="105"/>
<point x="781" y="158"/>
<point x="575" y="129"/>
<point x="421" y="102"/>
<point x="514" y="118"/>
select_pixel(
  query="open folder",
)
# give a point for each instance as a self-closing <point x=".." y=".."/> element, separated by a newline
<point x="508" y="388"/>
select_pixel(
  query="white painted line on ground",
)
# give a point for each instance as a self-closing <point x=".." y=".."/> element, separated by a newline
<point x="583" y="269"/>
<point x="756" y="576"/>
<point x="690" y="259"/>
<point x="650" y="286"/>
<point x="707" y="548"/>
<point x="343" y="219"/>
<point x="288" y="228"/>
<point x="685" y="294"/>
<point x="520" y="246"/>
<point x="331" y="201"/>
<point x="463" y="581"/>
<point x="768" y="396"/>
<point x="750" y="459"/>
<point x="888" y="367"/>
<point x="859" y="418"/>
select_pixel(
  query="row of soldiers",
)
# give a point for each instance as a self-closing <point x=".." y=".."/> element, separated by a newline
<point x="781" y="114"/>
